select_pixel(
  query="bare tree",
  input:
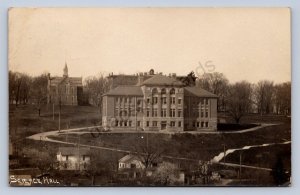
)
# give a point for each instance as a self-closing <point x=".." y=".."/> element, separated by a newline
<point x="39" y="90"/>
<point x="148" y="150"/>
<point x="282" y="98"/>
<point x="19" y="87"/>
<point x="215" y="83"/>
<point x="263" y="96"/>
<point x="239" y="100"/>
<point x="96" y="86"/>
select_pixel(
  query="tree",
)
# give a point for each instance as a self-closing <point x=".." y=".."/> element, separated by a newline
<point x="166" y="174"/>
<point x="96" y="86"/>
<point x="148" y="150"/>
<point x="263" y="96"/>
<point x="101" y="166"/>
<point x="190" y="79"/>
<point x="282" y="98"/>
<point x="239" y="100"/>
<point x="19" y="87"/>
<point x="39" y="90"/>
<point x="215" y="83"/>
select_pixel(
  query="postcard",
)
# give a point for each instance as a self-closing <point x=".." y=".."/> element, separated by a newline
<point x="149" y="97"/>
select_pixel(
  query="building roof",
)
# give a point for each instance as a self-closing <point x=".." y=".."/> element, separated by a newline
<point x="197" y="91"/>
<point x="72" y="80"/>
<point x="127" y="158"/>
<point x="73" y="151"/>
<point x="162" y="80"/>
<point x="130" y="90"/>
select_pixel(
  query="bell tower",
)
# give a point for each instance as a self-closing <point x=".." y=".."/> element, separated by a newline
<point x="65" y="70"/>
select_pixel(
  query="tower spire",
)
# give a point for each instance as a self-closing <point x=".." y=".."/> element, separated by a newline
<point x="66" y="70"/>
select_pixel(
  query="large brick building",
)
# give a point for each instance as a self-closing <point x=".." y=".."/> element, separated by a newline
<point x="158" y="102"/>
<point x="64" y="90"/>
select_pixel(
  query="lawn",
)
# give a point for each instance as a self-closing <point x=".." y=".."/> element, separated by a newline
<point x="194" y="146"/>
<point x="24" y="120"/>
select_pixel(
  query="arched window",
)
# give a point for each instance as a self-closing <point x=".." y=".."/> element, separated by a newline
<point x="154" y="91"/>
<point x="154" y="96"/>
<point x="163" y="91"/>
<point x="172" y="91"/>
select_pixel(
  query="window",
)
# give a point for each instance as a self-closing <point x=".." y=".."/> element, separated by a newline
<point x="206" y="114"/>
<point x="139" y="102"/>
<point x="147" y="123"/>
<point x="202" y="114"/>
<point x="148" y="112"/>
<point x="117" y="123"/>
<point x="83" y="157"/>
<point x="172" y="112"/>
<point x="179" y="124"/>
<point x="164" y="100"/>
<point x="67" y="157"/>
<point x="172" y="100"/>
<point x="148" y="100"/>
<point x="172" y="91"/>
<point x="154" y="100"/>
<point x="206" y="101"/>
<point x="198" y="124"/>
<point x="130" y="123"/>
<point x="206" y="124"/>
<point x="125" y="123"/>
<point x="202" y="124"/>
<point x="179" y="101"/>
<point x="139" y="123"/>
<point x="154" y="123"/>
<point x="179" y="113"/>
<point x="172" y="123"/>
<point x="154" y="112"/>
<point x="163" y="112"/>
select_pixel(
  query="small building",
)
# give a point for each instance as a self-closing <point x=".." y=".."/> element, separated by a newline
<point x="130" y="162"/>
<point x="73" y="158"/>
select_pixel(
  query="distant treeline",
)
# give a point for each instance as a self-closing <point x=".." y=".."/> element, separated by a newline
<point x="237" y="99"/>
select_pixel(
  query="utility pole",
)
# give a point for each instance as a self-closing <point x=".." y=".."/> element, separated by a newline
<point x="240" y="166"/>
<point x="59" y="113"/>
<point x="135" y="114"/>
<point x="224" y="148"/>
<point x="78" y="152"/>
<point x="53" y="111"/>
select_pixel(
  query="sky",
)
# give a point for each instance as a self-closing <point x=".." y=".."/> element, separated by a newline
<point x="242" y="43"/>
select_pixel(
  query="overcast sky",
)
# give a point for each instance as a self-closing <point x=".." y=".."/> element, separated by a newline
<point x="244" y="44"/>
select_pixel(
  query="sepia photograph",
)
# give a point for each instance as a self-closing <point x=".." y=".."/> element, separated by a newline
<point x="149" y="97"/>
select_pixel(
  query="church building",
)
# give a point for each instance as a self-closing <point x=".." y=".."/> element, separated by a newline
<point x="64" y="90"/>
